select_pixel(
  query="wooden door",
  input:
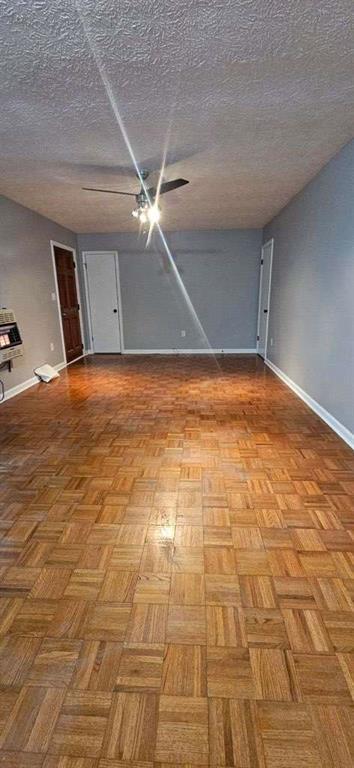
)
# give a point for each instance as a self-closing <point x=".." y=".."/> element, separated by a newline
<point x="69" y="306"/>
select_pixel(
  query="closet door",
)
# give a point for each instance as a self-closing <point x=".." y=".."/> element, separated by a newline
<point x="103" y="300"/>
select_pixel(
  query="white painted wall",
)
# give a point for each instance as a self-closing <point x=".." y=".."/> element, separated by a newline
<point x="220" y="272"/>
<point x="26" y="284"/>
<point x="312" y="299"/>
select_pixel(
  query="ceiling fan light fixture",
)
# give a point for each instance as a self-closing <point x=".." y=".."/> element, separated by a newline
<point x="147" y="209"/>
<point x="154" y="213"/>
<point x="147" y="213"/>
<point x="143" y="217"/>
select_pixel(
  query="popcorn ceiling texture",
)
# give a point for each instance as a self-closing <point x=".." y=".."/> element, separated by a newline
<point x="252" y="97"/>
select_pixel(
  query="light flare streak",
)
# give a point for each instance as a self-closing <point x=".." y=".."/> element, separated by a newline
<point x="113" y="103"/>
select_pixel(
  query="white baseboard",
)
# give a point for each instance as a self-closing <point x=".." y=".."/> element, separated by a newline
<point x="65" y="365"/>
<point x="189" y="351"/>
<point x="332" y="422"/>
<point x="13" y="391"/>
<point x="62" y="365"/>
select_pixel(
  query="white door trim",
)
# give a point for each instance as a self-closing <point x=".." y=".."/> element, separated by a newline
<point x="119" y="296"/>
<point x="269" y="242"/>
<point x="73" y="251"/>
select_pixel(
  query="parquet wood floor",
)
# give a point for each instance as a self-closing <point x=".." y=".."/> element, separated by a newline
<point x="176" y="571"/>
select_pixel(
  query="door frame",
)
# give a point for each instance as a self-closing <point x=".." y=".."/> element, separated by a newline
<point x="54" y="243"/>
<point x="119" y="295"/>
<point x="268" y="242"/>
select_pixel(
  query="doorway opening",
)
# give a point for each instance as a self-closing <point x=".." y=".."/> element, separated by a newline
<point x="265" y="282"/>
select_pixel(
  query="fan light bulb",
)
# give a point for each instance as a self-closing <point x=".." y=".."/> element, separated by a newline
<point x="154" y="214"/>
<point x="147" y="213"/>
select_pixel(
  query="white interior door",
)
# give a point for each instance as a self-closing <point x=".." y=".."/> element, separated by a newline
<point x="102" y="278"/>
<point x="264" y="297"/>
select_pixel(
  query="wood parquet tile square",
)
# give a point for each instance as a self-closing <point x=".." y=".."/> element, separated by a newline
<point x="187" y="589"/>
<point x="182" y="734"/>
<point x="188" y="536"/>
<point x="186" y="624"/>
<point x="294" y="592"/>
<point x="332" y="594"/>
<point x="188" y="559"/>
<point x="51" y="583"/>
<point x="84" y="584"/>
<point x="160" y="534"/>
<point x="225" y="626"/>
<point x="126" y="558"/>
<point x="306" y="631"/>
<point x="176" y="571"/>
<point x="288" y="736"/>
<point x="157" y="558"/>
<point x="81" y="725"/>
<point x="184" y="671"/>
<point x="257" y="592"/>
<point x="32" y="720"/>
<point x="147" y="623"/>
<point x="270" y="686"/>
<point x="222" y="590"/>
<point x="253" y="563"/>
<point x="118" y="586"/>
<point x="18" y="582"/>
<point x="97" y="666"/>
<point x="265" y="628"/>
<point x="131" y="729"/>
<point x="334" y="728"/>
<point x="219" y="560"/>
<point x="320" y="680"/>
<point x="340" y="629"/>
<point x="233" y="734"/>
<point x="34" y="618"/>
<point x="16" y="658"/>
<point x="69" y="617"/>
<point x="229" y="673"/>
<point x="140" y="668"/>
<point x="152" y="588"/>
<point x="217" y="535"/>
<point x="55" y="663"/>
<point x="104" y="621"/>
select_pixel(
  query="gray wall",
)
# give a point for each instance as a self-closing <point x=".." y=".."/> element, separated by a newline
<point x="26" y="284"/>
<point x="220" y="270"/>
<point x="312" y="298"/>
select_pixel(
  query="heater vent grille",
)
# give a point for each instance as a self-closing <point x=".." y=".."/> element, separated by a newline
<point x="6" y="316"/>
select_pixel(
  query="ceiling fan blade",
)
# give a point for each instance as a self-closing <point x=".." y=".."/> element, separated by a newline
<point x="111" y="191"/>
<point x="168" y="186"/>
<point x="151" y="192"/>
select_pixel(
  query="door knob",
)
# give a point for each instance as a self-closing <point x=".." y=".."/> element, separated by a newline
<point x="115" y="311"/>
<point x="265" y="311"/>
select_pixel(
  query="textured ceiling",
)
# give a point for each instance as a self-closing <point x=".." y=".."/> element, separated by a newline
<point x="251" y="97"/>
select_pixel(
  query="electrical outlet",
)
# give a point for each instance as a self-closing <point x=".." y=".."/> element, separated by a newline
<point x="51" y="346"/>
<point x="271" y="342"/>
<point x="183" y="333"/>
<point x="53" y="295"/>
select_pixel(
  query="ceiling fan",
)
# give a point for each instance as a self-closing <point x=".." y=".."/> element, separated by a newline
<point x="147" y="209"/>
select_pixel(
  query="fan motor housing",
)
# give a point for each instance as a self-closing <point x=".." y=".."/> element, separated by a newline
<point x="141" y="199"/>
